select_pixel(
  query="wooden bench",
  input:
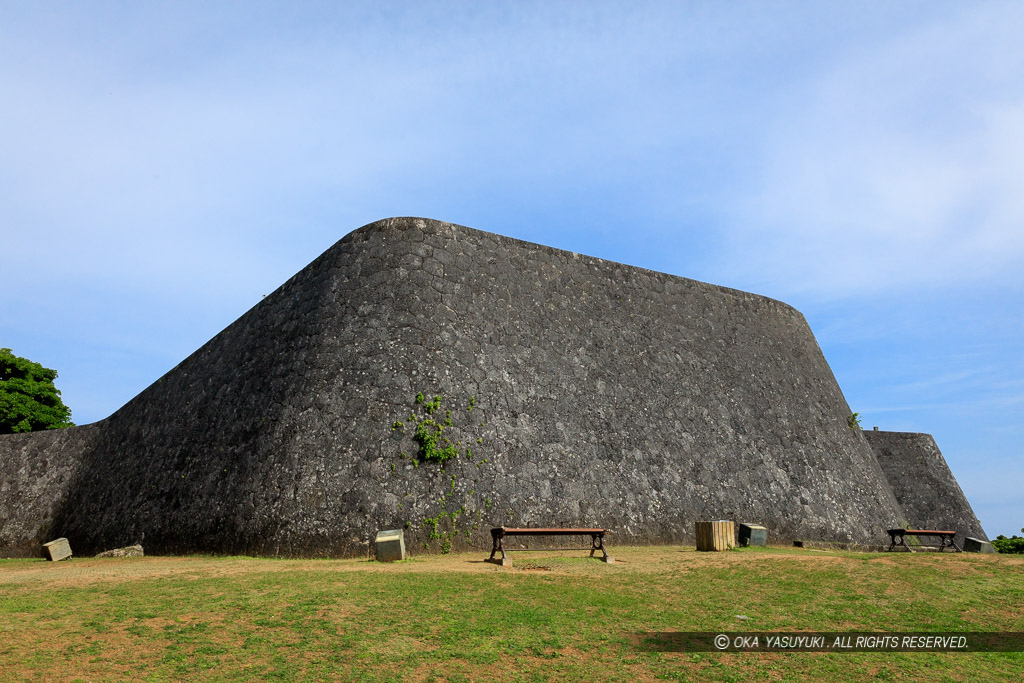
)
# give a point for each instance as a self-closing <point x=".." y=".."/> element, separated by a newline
<point x="499" y="534"/>
<point x="945" y="538"/>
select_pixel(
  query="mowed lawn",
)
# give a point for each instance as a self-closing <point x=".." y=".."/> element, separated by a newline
<point x="456" y="618"/>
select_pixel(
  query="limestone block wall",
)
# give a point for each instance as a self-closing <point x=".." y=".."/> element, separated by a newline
<point x="926" y="490"/>
<point x="588" y="393"/>
<point x="36" y="473"/>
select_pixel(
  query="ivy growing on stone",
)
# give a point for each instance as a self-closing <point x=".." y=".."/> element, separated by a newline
<point x="432" y="435"/>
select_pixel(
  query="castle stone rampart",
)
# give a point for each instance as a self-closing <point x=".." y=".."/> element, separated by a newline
<point x="589" y="393"/>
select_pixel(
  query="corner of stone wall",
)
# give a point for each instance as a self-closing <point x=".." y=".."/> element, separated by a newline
<point x="37" y="472"/>
<point x="922" y="482"/>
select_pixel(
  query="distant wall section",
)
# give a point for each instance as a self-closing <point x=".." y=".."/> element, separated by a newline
<point x="923" y="484"/>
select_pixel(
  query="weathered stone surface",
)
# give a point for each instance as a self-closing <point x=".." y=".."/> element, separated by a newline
<point x="57" y="549"/>
<point x="128" y="551"/>
<point x="752" y="534"/>
<point x="389" y="546"/>
<point x="976" y="545"/>
<point x="922" y="483"/>
<point x="603" y="396"/>
<point x="36" y="473"/>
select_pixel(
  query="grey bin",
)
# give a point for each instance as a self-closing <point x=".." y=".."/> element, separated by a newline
<point x="976" y="545"/>
<point x="753" y="534"/>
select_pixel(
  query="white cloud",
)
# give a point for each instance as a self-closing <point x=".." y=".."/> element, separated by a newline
<point x="897" y="165"/>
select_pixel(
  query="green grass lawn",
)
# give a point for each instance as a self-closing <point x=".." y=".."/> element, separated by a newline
<point x="455" y="618"/>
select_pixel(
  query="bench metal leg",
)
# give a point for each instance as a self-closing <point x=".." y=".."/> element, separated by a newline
<point x="902" y="542"/>
<point x="498" y="545"/>
<point x="597" y="543"/>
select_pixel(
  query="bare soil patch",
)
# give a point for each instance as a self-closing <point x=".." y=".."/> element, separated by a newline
<point x="82" y="571"/>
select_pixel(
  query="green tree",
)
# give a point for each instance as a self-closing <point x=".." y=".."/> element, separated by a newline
<point x="28" y="400"/>
<point x="1002" y="544"/>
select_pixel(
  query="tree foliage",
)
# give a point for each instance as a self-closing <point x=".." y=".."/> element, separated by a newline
<point x="29" y="401"/>
<point x="1015" y="544"/>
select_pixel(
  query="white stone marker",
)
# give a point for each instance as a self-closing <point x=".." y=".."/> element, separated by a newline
<point x="390" y="545"/>
<point x="58" y="549"/>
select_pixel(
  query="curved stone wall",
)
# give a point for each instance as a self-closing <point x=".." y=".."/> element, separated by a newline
<point x="587" y="392"/>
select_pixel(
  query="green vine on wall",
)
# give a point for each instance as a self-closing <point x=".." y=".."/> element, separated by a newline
<point x="428" y="432"/>
<point x="433" y="436"/>
<point x="445" y="536"/>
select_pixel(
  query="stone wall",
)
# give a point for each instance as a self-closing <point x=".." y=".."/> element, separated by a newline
<point x="36" y="473"/>
<point x="925" y="488"/>
<point x="588" y="392"/>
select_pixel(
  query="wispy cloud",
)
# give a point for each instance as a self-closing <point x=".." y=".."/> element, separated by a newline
<point x="897" y="165"/>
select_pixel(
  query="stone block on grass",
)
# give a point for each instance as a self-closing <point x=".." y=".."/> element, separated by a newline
<point x="390" y="545"/>
<point x="127" y="551"/>
<point x="57" y="549"/>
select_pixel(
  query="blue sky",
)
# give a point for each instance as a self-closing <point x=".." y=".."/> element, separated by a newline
<point x="164" y="165"/>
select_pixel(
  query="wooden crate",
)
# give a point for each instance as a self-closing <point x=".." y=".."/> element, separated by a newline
<point x="717" y="535"/>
